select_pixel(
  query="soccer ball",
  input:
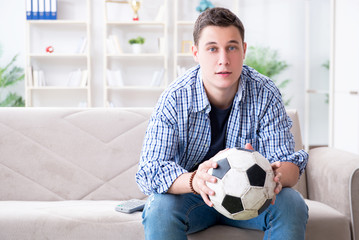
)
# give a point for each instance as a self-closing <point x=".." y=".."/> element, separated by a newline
<point x="245" y="185"/>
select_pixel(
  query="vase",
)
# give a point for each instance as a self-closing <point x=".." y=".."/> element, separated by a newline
<point x="136" y="48"/>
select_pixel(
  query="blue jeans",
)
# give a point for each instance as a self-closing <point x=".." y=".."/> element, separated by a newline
<point x="168" y="216"/>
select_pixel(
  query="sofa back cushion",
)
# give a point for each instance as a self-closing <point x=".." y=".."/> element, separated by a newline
<point x="72" y="154"/>
<point x="62" y="154"/>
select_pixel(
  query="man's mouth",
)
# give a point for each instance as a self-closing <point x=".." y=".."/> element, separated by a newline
<point x="224" y="73"/>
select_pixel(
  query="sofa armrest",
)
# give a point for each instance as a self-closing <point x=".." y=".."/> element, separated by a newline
<point x="333" y="179"/>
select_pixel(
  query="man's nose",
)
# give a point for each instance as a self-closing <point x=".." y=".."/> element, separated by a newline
<point x="223" y="58"/>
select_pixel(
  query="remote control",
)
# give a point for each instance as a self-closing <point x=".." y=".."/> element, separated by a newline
<point x="131" y="206"/>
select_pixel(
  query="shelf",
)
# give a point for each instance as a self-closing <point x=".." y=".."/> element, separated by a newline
<point x="57" y="88"/>
<point x="59" y="22"/>
<point x="146" y="55"/>
<point x="136" y="88"/>
<point x="138" y="23"/>
<point x="138" y="71"/>
<point x="58" y="55"/>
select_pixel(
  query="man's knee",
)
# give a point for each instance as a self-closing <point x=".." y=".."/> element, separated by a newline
<point x="159" y="206"/>
<point x="162" y="218"/>
<point x="162" y="210"/>
<point x="290" y="202"/>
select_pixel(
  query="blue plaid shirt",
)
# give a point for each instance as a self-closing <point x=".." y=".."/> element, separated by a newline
<point x="178" y="135"/>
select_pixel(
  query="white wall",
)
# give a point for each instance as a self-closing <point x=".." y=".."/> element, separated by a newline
<point x="346" y="79"/>
<point x="278" y="24"/>
<point x="12" y="35"/>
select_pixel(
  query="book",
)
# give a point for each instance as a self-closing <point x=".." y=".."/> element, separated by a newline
<point x="160" y="14"/>
<point x="30" y="82"/>
<point x="74" y="79"/>
<point x="36" y="78"/>
<point x="81" y="47"/>
<point x="84" y="78"/>
<point x="28" y="9"/>
<point x="111" y="105"/>
<point x="53" y="9"/>
<point x="42" y="81"/>
<point x="118" y="78"/>
<point x="39" y="78"/>
<point x="110" y="46"/>
<point x="157" y="78"/>
<point x="82" y="104"/>
<point x="116" y="44"/>
<point x="114" y="78"/>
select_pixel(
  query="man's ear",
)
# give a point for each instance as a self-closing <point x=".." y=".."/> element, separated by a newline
<point x="195" y="53"/>
<point x="244" y="50"/>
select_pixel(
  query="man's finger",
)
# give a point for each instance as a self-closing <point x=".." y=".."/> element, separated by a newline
<point x="273" y="200"/>
<point x="204" y="176"/>
<point x="276" y="165"/>
<point x="206" y="199"/>
<point x="277" y="177"/>
<point x="207" y="165"/>
<point x="248" y="146"/>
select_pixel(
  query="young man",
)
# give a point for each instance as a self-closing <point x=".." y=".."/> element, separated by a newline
<point x="218" y="104"/>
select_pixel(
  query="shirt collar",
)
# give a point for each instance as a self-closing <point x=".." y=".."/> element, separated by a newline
<point x="201" y="102"/>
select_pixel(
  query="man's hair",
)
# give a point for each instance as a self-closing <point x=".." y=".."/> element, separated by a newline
<point x="220" y="17"/>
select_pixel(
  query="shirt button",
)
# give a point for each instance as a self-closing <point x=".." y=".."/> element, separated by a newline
<point x="206" y="145"/>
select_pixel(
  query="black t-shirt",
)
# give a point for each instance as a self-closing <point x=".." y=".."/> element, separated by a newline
<point x="219" y="120"/>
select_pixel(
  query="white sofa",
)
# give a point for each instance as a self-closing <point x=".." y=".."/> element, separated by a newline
<point x="62" y="172"/>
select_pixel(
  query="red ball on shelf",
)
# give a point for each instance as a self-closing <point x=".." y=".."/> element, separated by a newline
<point x="50" y="49"/>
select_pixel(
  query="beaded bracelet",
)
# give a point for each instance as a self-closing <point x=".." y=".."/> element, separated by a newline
<point x="190" y="183"/>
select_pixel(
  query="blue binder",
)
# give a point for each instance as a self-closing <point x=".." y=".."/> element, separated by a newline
<point x="47" y="9"/>
<point x="28" y="9"/>
<point x="35" y="9"/>
<point x="41" y="9"/>
<point x="53" y="13"/>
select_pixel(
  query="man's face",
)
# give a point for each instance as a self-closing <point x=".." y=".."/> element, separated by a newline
<point x="220" y="53"/>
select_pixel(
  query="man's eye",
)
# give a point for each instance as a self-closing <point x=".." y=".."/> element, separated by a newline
<point x="232" y="48"/>
<point x="212" y="49"/>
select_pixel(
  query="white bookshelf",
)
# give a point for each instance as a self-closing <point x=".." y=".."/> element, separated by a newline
<point x="128" y="78"/>
<point x="66" y="35"/>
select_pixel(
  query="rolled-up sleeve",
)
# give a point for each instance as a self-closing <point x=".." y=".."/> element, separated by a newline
<point x="158" y="168"/>
<point x="276" y="142"/>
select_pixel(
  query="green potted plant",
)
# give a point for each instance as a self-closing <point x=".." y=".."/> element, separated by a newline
<point x="9" y="75"/>
<point x="136" y="44"/>
<point x="266" y="61"/>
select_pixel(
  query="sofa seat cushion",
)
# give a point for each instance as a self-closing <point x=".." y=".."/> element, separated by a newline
<point x="67" y="220"/>
<point x="325" y="223"/>
<point x="98" y="220"/>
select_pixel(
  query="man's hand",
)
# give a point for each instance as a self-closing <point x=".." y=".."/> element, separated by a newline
<point x="202" y="176"/>
<point x="277" y="175"/>
<point x="277" y="179"/>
